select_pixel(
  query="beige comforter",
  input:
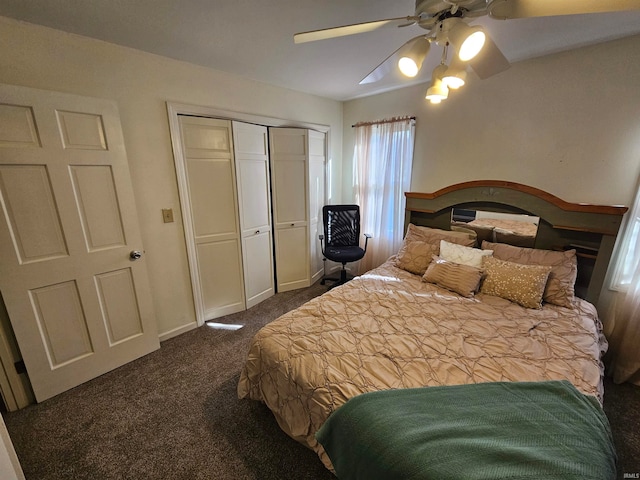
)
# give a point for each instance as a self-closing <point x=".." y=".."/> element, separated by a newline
<point x="388" y="329"/>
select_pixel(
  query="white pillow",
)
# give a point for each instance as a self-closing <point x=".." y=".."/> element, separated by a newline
<point x="463" y="255"/>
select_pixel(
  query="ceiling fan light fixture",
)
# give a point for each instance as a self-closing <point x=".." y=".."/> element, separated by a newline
<point x="410" y="62"/>
<point x="408" y="67"/>
<point x="455" y="76"/>
<point x="456" y="80"/>
<point x="467" y="40"/>
<point x="438" y="91"/>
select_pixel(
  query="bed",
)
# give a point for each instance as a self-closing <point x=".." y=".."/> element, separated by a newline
<point x="397" y="329"/>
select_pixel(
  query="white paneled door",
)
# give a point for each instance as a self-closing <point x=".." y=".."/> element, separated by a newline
<point x="290" y="180"/>
<point x="74" y="278"/>
<point x="317" y="160"/>
<point x="212" y="218"/>
<point x="251" y="148"/>
<point x="298" y="172"/>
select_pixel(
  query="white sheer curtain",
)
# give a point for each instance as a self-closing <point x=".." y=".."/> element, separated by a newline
<point x="382" y="160"/>
<point x="623" y="322"/>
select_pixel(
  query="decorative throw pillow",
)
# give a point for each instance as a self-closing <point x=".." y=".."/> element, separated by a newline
<point x="523" y="284"/>
<point x="434" y="235"/>
<point x="462" y="254"/>
<point x="564" y="268"/>
<point x="457" y="277"/>
<point x="415" y="256"/>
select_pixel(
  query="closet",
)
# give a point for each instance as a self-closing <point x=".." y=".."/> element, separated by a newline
<point x="211" y="215"/>
<point x="233" y="178"/>
<point x="298" y="166"/>
<point x="251" y="151"/>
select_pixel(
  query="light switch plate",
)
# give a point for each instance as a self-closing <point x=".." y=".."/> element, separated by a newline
<point x="167" y="215"/>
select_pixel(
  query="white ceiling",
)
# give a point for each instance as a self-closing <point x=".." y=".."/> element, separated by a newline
<point x="254" y="39"/>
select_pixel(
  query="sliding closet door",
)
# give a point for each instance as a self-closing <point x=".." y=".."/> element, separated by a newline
<point x="212" y="219"/>
<point x="251" y="150"/>
<point x="317" y="162"/>
<point x="289" y="164"/>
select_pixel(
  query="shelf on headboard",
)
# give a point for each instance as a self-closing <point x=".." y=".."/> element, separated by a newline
<point x="561" y="224"/>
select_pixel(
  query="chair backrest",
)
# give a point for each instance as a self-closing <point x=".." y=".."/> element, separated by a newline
<point x="341" y="225"/>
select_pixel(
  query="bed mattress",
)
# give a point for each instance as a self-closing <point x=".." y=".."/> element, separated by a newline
<point x="388" y="329"/>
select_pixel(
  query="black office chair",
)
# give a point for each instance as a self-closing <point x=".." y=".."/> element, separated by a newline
<point x="342" y="232"/>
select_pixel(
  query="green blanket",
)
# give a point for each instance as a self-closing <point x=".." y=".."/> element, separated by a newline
<point x="503" y="430"/>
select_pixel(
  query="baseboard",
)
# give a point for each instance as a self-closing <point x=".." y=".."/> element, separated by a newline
<point x="177" y="331"/>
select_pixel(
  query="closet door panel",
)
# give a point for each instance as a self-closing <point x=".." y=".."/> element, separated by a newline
<point x="209" y="164"/>
<point x="291" y="190"/>
<point x="253" y="178"/>
<point x="258" y="267"/>
<point x="254" y="199"/>
<point x="220" y="282"/>
<point x="289" y="163"/>
<point x="316" y="202"/>
<point x="212" y="197"/>
<point x="292" y="253"/>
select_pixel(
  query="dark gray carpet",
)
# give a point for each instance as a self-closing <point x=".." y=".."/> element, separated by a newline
<point x="174" y="414"/>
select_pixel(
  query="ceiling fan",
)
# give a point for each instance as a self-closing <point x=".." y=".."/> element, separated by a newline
<point x="447" y="25"/>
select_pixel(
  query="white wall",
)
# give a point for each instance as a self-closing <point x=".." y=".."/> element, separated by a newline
<point x="141" y="84"/>
<point x="568" y="123"/>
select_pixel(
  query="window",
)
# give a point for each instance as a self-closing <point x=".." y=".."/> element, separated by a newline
<point x="629" y="252"/>
<point x="382" y="160"/>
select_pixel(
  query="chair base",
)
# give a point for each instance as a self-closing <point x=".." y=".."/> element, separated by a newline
<point x="344" y="278"/>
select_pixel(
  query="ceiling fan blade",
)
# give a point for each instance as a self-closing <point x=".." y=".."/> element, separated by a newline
<point x="506" y="9"/>
<point x="490" y="61"/>
<point x="388" y="64"/>
<point x="353" y="29"/>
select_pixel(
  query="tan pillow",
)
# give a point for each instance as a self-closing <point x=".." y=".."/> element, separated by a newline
<point x="415" y="256"/>
<point x="434" y="235"/>
<point x="523" y="284"/>
<point x="462" y="279"/>
<point x="564" y="268"/>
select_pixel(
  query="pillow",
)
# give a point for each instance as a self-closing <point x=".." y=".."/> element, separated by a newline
<point x="522" y="284"/>
<point x="459" y="278"/>
<point x="461" y="254"/>
<point x="564" y="268"/>
<point x="434" y="235"/>
<point x="415" y="256"/>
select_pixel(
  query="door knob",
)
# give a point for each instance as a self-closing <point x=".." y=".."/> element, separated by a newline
<point x="135" y="254"/>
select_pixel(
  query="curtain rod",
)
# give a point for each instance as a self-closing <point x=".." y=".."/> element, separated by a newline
<point x="385" y="120"/>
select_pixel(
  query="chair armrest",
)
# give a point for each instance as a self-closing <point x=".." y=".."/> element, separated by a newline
<point x="367" y="236"/>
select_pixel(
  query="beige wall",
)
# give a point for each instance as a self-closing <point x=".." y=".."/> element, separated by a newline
<point x="141" y="84"/>
<point x="568" y="123"/>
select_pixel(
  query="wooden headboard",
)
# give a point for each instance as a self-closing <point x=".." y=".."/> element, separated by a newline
<point x="590" y="229"/>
